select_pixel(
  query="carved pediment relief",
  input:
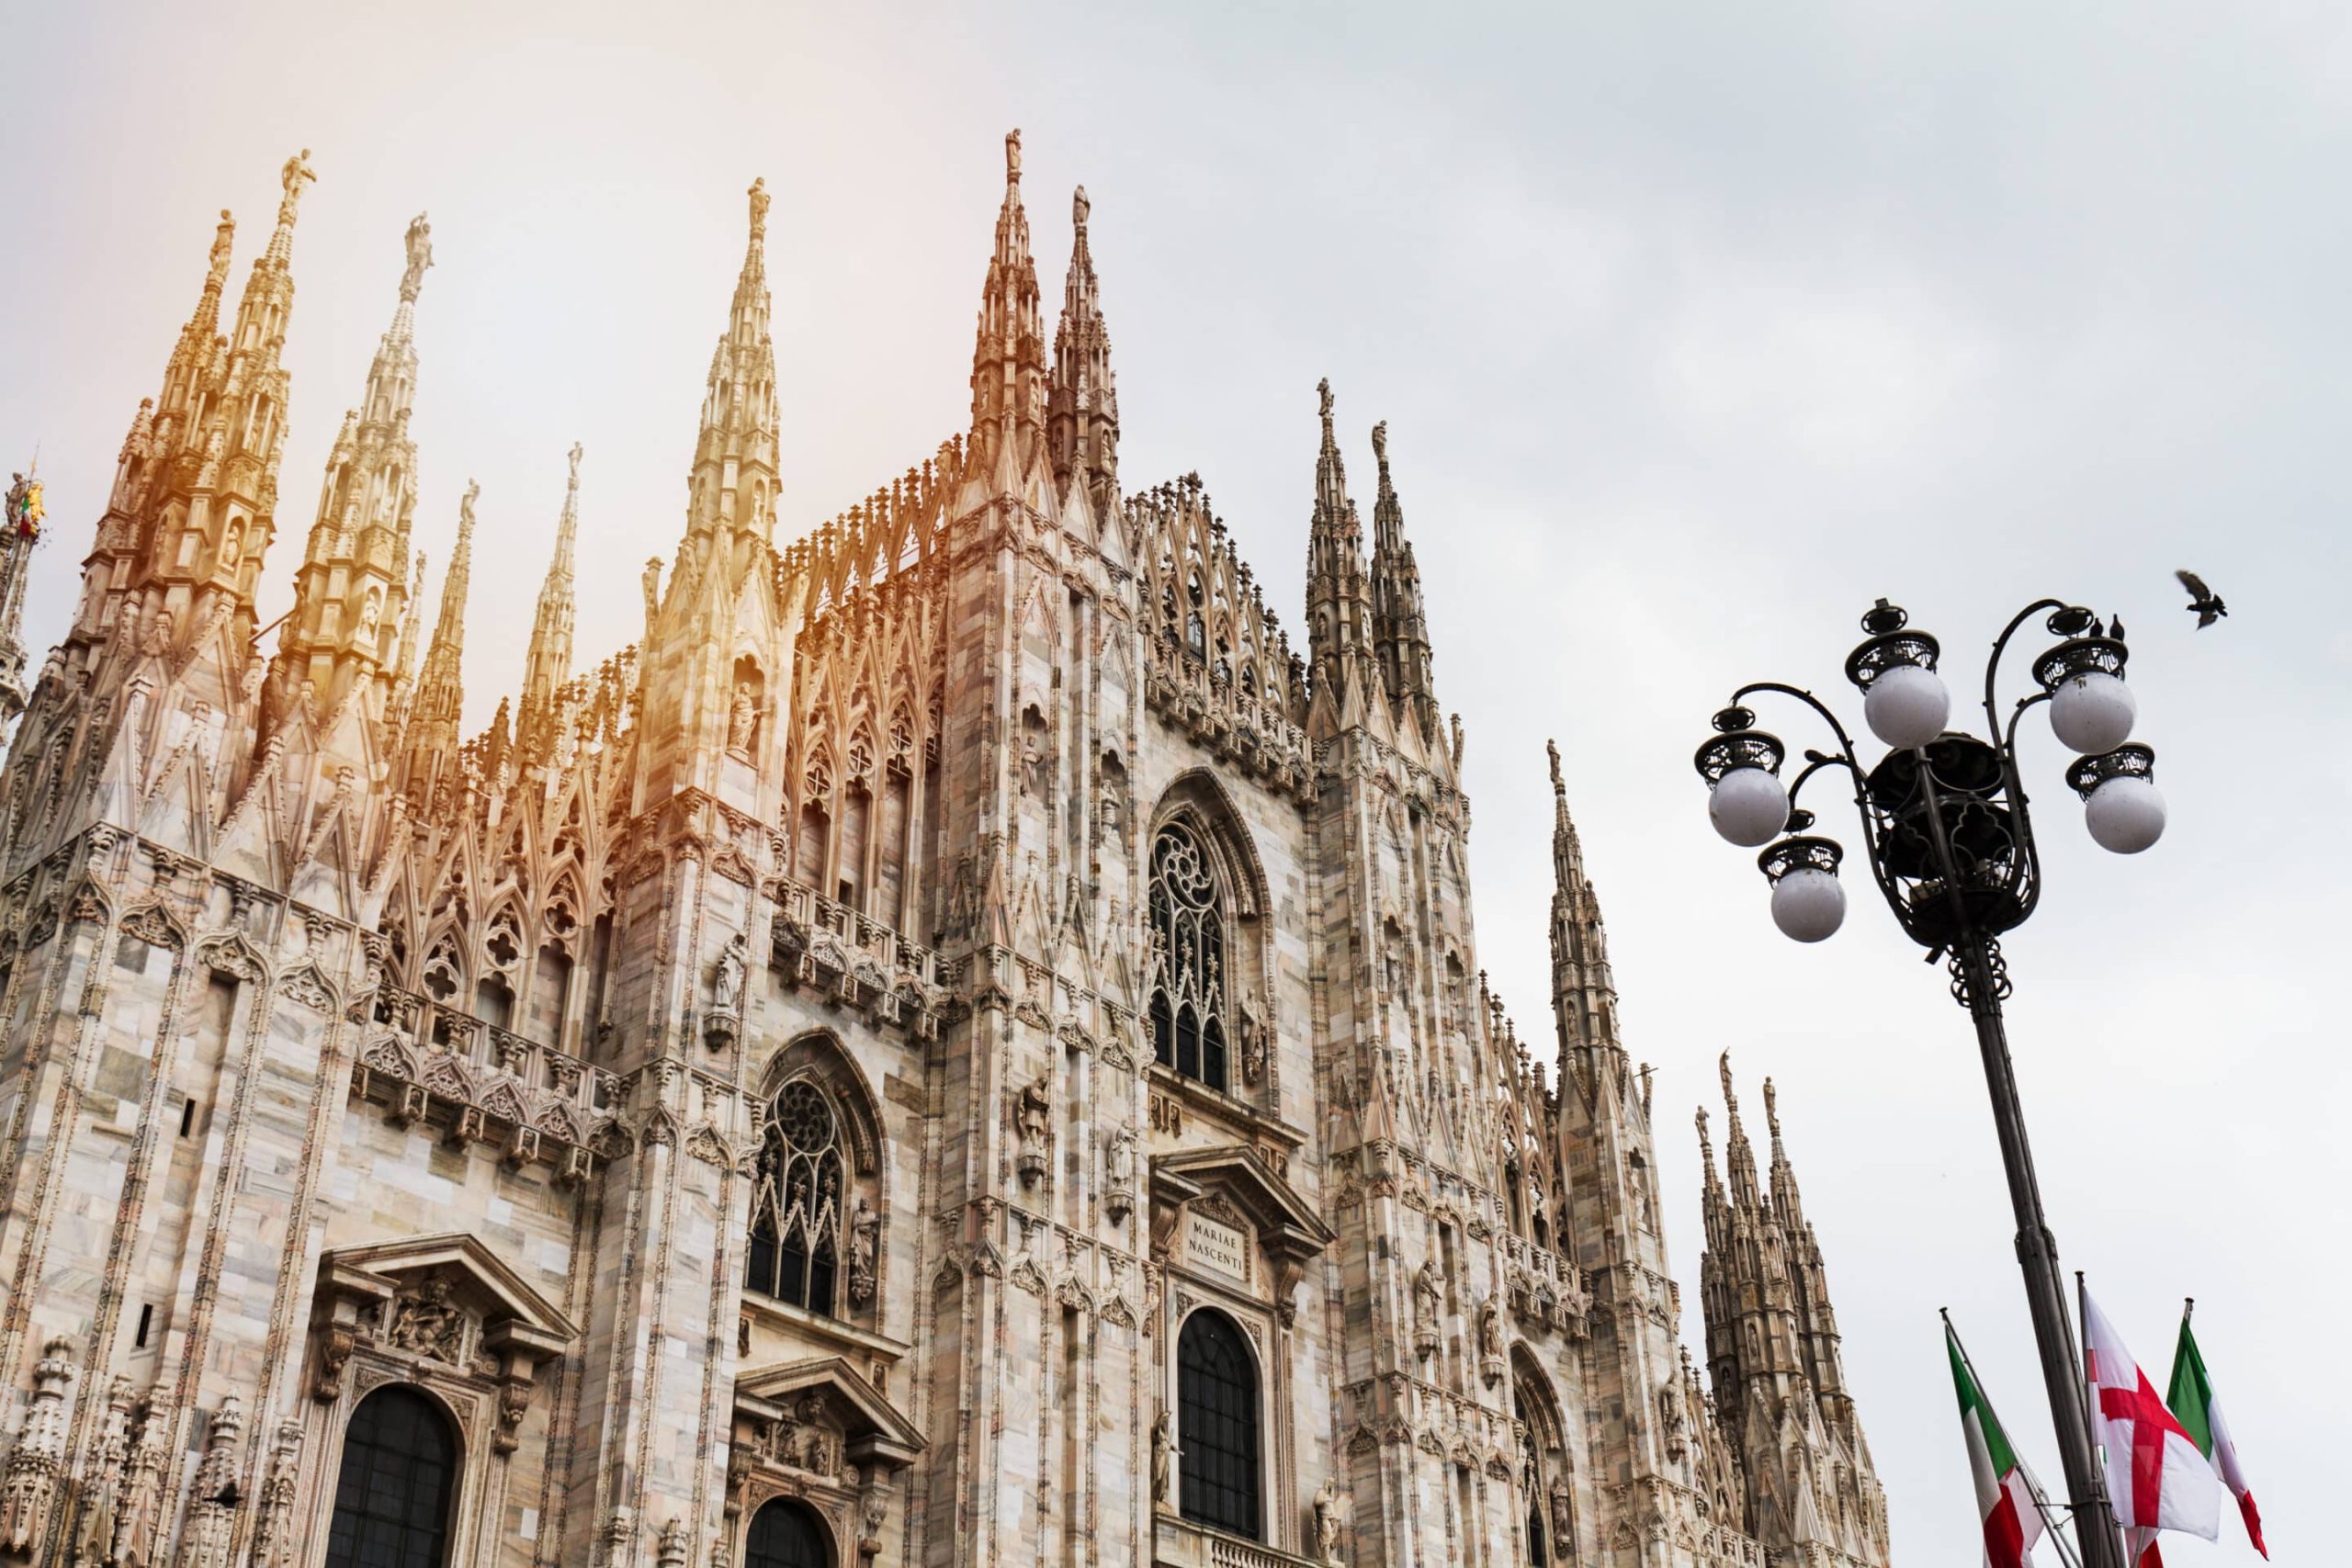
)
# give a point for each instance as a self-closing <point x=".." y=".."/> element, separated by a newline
<point x="819" y="1414"/>
<point x="442" y="1308"/>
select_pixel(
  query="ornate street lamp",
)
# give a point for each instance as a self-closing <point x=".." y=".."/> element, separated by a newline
<point x="1950" y="845"/>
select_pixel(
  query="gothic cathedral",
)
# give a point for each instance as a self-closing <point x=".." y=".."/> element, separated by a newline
<point x="958" y="1048"/>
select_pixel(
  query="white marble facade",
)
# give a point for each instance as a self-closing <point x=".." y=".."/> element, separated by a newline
<point x="729" y="1088"/>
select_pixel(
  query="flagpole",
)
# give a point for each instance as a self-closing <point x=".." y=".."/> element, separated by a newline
<point x="2032" y="1487"/>
<point x="2090" y="1425"/>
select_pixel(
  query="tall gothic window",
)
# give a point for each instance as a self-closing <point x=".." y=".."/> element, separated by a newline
<point x="1188" y="958"/>
<point x="796" y="1200"/>
<point x="786" y="1534"/>
<point x="391" y="1501"/>
<point x="1217" y="1404"/>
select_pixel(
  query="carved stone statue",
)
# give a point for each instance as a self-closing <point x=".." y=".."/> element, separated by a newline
<point x="760" y="199"/>
<point x="420" y="256"/>
<point x="1563" y="1510"/>
<point x="1163" y="1454"/>
<point x="740" y="719"/>
<point x="1670" y="1421"/>
<point x="1119" y="1167"/>
<point x="1426" y="1295"/>
<point x="727" y="982"/>
<point x="371" y="610"/>
<point x="1490" y="1327"/>
<point x="1036" y="1110"/>
<point x="294" y="176"/>
<point x="232" y="547"/>
<point x="428" y="1322"/>
<point x="864" y="1248"/>
<point x="1327" y="1522"/>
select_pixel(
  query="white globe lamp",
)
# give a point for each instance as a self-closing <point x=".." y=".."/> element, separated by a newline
<point x="2121" y="805"/>
<point x="1748" y="807"/>
<point x="2093" y="711"/>
<point x="1808" y="904"/>
<point x="2125" y="815"/>
<point x="1905" y="705"/>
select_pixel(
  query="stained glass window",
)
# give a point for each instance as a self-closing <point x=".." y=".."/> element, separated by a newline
<point x="1188" y="958"/>
<point x="796" y="1200"/>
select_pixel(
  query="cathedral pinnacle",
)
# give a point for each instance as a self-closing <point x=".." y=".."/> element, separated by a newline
<point x="732" y="487"/>
<point x="429" y="748"/>
<point x="1009" y="387"/>
<point x="1082" y="404"/>
<point x="351" y="592"/>
<point x="1400" y="626"/>
<point x="549" y="663"/>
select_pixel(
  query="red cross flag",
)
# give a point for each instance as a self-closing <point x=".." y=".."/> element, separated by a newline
<point x="2158" y="1479"/>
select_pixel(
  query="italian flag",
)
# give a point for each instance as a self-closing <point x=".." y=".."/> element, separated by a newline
<point x="2200" y="1415"/>
<point x="2157" y="1478"/>
<point x="2004" y="1492"/>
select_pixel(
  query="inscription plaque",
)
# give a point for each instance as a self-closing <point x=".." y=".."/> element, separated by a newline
<point x="1218" y="1248"/>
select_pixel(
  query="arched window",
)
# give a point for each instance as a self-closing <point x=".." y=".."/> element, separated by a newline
<point x="1188" y="958"/>
<point x="786" y="1534"/>
<point x="1217" y="1404"/>
<point x="796" y="1200"/>
<point x="391" y="1501"/>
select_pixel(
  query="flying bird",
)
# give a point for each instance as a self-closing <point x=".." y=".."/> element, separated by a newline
<point x="2202" y="602"/>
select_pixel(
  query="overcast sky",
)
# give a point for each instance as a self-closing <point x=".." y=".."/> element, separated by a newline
<point x="1697" y="329"/>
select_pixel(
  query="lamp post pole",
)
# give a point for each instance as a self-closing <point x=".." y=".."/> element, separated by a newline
<point x="1950" y="848"/>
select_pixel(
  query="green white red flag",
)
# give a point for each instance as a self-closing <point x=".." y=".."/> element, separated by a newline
<point x="2005" y="1498"/>
<point x="2200" y="1415"/>
<point x="2157" y="1478"/>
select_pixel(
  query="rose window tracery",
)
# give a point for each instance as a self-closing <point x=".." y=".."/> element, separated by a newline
<point x="796" y="1200"/>
<point x="1188" y="959"/>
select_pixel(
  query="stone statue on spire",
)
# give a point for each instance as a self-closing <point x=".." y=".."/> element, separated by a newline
<point x="574" y="456"/>
<point x="1079" y="207"/>
<point x="297" y="174"/>
<point x="1380" y="444"/>
<point x="1552" y="749"/>
<point x="760" y="199"/>
<point x="221" y="239"/>
<point x="420" y="256"/>
<point x="1323" y="391"/>
<point x="1012" y="156"/>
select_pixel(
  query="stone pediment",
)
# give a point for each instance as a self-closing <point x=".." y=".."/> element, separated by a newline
<point x="874" y="1431"/>
<point x="1286" y="1226"/>
<point x="511" y="1312"/>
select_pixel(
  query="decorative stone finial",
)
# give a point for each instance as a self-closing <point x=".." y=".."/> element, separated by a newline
<point x="420" y="256"/>
<point x="574" y="456"/>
